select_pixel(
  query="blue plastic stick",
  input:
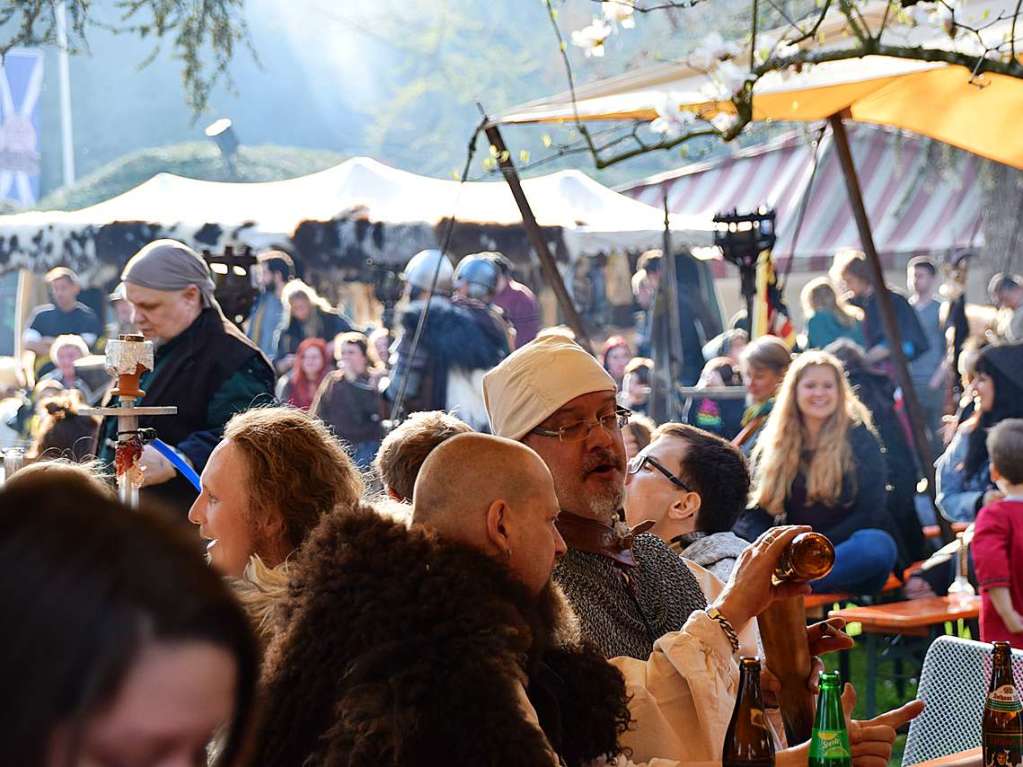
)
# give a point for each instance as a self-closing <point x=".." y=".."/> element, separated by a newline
<point x="186" y="471"/>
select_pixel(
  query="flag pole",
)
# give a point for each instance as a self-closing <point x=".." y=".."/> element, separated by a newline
<point x="64" y="73"/>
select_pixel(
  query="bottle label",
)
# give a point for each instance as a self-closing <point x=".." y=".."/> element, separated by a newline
<point x="830" y="744"/>
<point x="1004" y="698"/>
<point x="1003" y="749"/>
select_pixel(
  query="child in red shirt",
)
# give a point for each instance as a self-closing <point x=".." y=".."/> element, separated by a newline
<point x="998" y="539"/>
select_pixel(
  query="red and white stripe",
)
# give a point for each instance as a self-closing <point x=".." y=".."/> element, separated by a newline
<point x="916" y="203"/>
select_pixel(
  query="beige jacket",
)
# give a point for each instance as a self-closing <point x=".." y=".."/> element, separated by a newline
<point x="681" y="697"/>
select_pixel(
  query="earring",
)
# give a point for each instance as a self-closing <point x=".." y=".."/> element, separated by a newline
<point x="507" y="554"/>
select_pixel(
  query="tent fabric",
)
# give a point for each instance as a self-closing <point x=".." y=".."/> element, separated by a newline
<point x="209" y="214"/>
<point x="946" y="102"/>
<point x="915" y="203"/>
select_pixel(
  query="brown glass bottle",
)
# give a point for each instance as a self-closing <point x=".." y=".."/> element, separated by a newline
<point x="1003" y="724"/>
<point x="808" y="556"/>
<point x="748" y="740"/>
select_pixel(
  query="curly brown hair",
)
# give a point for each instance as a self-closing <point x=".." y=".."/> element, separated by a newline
<point x="296" y="468"/>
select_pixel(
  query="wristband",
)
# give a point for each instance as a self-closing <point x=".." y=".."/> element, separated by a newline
<point x="733" y="639"/>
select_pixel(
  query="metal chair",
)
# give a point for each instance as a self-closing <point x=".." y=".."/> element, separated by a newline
<point x="953" y="686"/>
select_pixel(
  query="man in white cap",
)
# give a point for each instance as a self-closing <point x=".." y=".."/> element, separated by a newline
<point x="204" y="365"/>
<point x="443" y="369"/>
<point x="627" y="587"/>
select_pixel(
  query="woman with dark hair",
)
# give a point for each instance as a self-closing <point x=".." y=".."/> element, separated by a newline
<point x="312" y="364"/>
<point x="963" y="471"/>
<point x="122" y="647"/>
<point x="63" y="431"/>
<point x="615" y="357"/>
<point x="349" y="401"/>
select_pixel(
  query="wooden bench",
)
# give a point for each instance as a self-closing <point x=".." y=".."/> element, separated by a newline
<point x="813" y="601"/>
<point x="933" y="531"/>
<point x="917" y="618"/>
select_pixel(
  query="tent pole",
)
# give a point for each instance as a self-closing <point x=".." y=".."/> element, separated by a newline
<point x="536" y="239"/>
<point x="891" y="327"/>
<point x="675" y="351"/>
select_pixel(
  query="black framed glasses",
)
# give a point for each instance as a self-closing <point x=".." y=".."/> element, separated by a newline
<point x="580" y="430"/>
<point x="639" y="462"/>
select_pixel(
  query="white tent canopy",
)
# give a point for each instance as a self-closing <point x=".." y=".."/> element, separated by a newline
<point x="261" y="214"/>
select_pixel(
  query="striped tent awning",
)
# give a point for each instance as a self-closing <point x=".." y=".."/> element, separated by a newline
<point x="921" y="197"/>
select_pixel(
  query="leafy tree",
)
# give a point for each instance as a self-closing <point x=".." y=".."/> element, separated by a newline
<point x="203" y="35"/>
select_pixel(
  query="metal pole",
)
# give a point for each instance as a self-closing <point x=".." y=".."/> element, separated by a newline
<point x="891" y="327"/>
<point x="67" y="137"/>
<point x="535" y="235"/>
<point x="674" y="321"/>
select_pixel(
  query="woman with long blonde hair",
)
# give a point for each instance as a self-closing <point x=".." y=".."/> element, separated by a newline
<point x="819" y="463"/>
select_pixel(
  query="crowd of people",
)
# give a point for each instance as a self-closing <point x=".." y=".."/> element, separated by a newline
<point x="465" y="538"/>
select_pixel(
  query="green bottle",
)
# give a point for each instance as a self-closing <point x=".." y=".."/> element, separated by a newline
<point x="829" y="744"/>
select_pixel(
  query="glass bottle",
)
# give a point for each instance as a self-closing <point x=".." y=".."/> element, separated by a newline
<point x="829" y="743"/>
<point x="748" y="739"/>
<point x="1002" y="725"/>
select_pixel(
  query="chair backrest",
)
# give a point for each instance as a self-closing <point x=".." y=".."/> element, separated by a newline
<point x="953" y="687"/>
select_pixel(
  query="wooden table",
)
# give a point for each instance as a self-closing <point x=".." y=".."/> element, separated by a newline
<point x="912" y="618"/>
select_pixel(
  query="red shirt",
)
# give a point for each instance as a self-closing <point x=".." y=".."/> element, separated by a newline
<point x="998" y="558"/>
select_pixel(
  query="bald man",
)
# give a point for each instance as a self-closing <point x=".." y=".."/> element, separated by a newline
<point x="500" y="500"/>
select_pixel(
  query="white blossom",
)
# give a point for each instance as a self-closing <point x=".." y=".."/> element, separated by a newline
<point x="710" y="51"/>
<point x="785" y="49"/>
<point x="731" y="77"/>
<point x="672" y="120"/>
<point x="619" y="12"/>
<point x="724" y="121"/>
<point x="937" y="14"/>
<point x="592" y="38"/>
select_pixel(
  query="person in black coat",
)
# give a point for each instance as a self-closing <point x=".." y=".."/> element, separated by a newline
<point x="876" y="391"/>
<point x="306" y="315"/>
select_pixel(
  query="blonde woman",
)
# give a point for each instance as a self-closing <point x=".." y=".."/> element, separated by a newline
<point x="827" y="319"/>
<point x="819" y="463"/>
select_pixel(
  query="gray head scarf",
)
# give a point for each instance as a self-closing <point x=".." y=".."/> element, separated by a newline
<point x="170" y="265"/>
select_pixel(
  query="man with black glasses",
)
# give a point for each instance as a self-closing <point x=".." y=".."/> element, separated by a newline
<point x="693" y="485"/>
<point x="627" y="587"/>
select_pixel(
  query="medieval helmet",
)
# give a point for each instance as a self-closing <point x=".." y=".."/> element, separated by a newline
<point x="478" y="274"/>
<point x="423" y="265"/>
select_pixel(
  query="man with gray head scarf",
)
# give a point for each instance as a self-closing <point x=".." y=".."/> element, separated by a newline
<point x="205" y="366"/>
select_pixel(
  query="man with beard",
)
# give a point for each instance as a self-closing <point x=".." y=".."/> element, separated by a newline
<point x="627" y="587"/>
<point x="446" y="643"/>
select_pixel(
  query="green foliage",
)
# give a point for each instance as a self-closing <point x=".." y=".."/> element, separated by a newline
<point x="195" y="160"/>
<point x="203" y="35"/>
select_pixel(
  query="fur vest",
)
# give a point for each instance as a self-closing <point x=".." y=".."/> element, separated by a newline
<point x="398" y="648"/>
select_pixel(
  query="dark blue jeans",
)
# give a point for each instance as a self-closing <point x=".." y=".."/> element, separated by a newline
<point x="863" y="563"/>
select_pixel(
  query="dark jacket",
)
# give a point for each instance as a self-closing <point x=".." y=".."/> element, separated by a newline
<point x="863" y="501"/>
<point x="914" y="339"/>
<point x="877" y="393"/>
<point x="401" y="649"/>
<point x="351" y="408"/>
<point x="455" y="335"/>
<point x="209" y="372"/>
<point x="323" y="324"/>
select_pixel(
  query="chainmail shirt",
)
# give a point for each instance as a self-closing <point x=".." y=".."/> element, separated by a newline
<point x="624" y="610"/>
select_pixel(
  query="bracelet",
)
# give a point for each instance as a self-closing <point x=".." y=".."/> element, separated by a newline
<point x="715" y="615"/>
